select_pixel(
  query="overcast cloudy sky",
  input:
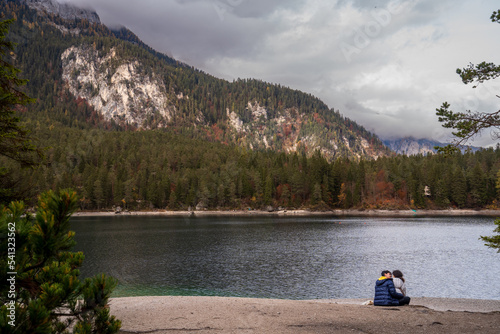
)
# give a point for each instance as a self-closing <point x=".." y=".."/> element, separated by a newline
<point x="387" y="64"/>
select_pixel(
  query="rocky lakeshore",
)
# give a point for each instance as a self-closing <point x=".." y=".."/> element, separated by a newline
<point x="339" y="213"/>
<point x="169" y="314"/>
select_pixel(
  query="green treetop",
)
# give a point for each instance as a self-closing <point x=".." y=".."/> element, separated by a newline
<point x="40" y="291"/>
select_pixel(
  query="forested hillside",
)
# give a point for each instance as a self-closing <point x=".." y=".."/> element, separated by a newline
<point x="84" y="74"/>
<point x="216" y="144"/>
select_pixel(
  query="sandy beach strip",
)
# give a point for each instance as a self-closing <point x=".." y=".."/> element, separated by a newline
<point x="189" y="314"/>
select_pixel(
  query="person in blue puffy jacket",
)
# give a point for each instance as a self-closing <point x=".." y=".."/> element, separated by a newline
<point x="385" y="292"/>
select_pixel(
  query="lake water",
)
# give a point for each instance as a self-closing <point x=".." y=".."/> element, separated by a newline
<point x="289" y="257"/>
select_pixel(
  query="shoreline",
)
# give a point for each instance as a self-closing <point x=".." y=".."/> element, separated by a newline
<point x="303" y="213"/>
<point x="181" y="314"/>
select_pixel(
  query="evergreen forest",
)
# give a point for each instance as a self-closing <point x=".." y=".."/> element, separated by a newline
<point x="157" y="169"/>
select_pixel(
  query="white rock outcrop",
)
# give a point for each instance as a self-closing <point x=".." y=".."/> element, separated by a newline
<point x="118" y="89"/>
<point x="235" y="121"/>
<point x="257" y="110"/>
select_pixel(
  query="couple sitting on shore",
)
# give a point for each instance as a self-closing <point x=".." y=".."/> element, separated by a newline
<point x="391" y="291"/>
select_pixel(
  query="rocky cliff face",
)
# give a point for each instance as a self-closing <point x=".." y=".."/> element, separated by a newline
<point x="294" y="133"/>
<point x="66" y="11"/>
<point x="255" y="132"/>
<point x="119" y="89"/>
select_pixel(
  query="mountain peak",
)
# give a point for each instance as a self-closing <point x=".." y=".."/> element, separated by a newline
<point x="65" y="10"/>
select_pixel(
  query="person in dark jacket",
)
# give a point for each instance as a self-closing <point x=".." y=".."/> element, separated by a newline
<point x="385" y="292"/>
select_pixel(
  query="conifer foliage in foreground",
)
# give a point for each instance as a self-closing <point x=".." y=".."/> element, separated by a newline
<point x="40" y="291"/>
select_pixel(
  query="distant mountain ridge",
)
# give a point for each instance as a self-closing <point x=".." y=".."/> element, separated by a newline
<point x="411" y="146"/>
